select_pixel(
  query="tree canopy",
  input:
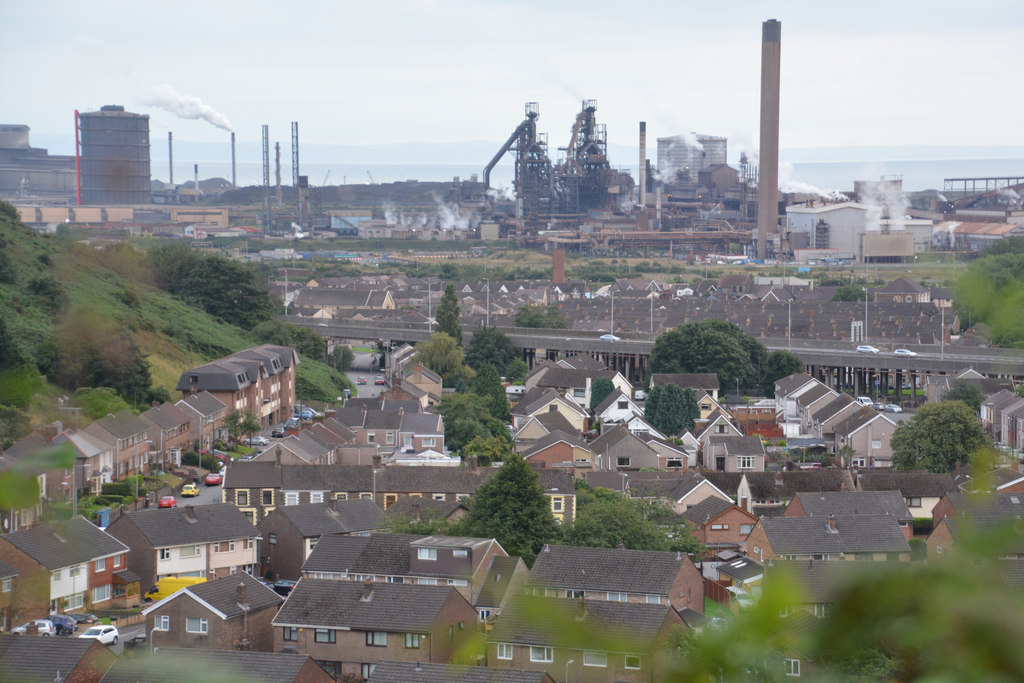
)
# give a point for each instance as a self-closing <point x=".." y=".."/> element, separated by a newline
<point x="605" y="519"/>
<point x="991" y="291"/>
<point x="937" y="437"/>
<point x="675" y="410"/>
<point x="443" y="354"/>
<point x="968" y="392"/>
<point x="491" y="346"/>
<point x="465" y="418"/>
<point x="487" y="385"/>
<point x="849" y="292"/>
<point x="713" y="346"/>
<point x="600" y="391"/>
<point x="777" y="365"/>
<point x="538" y="316"/>
<point x="448" y="315"/>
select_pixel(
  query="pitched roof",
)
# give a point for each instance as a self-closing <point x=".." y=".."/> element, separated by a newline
<point x="204" y="403"/>
<point x="222" y="594"/>
<point x="173" y="526"/>
<point x="609" y="401"/>
<point x="65" y="544"/>
<point x="785" y="485"/>
<point x="742" y="568"/>
<point x="122" y="424"/>
<point x="833" y="407"/>
<point x="707" y="381"/>
<point x="391" y="607"/>
<point x="819" y="582"/>
<point x="553" y="420"/>
<point x="707" y="509"/>
<point x="739" y="445"/>
<point x="551" y="438"/>
<point x="166" y="416"/>
<point x="844" y="503"/>
<point x="7" y="571"/>
<point x="497" y="581"/>
<point x="607" y="569"/>
<point x="165" y="666"/>
<point x="422" y="508"/>
<point x="791" y="383"/>
<point x="28" y="658"/>
<point x="423" y="672"/>
<point x="853" y="534"/>
<point x="334" y="517"/>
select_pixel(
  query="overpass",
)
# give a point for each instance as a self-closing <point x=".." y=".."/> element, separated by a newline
<point x="835" y="363"/>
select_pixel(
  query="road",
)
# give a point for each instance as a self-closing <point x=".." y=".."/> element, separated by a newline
<point x="362" y="366"/>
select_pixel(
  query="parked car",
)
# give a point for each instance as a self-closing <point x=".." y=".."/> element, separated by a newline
<point x="864" y="400"/>
<point x="167" y="502"/>
<point x="45" y="627"/>
<point x="214" y="479"/>
<point x="904" y="352"/>
<point x="105" y="634"/>
<point x="741" y="596"/>
<point x="189" y="490"/>
<point x="284" y="586"/>
<point x="360" y="380"/>
<point x="380" y="381"/>
<point x="609" y="337"/>
<point x="278" y="433"/>
<point x="291" y="423"/>
<point x="893" y="408"/>
<point x="866" y="348"/>
<point x="878" y="406"/>
<point x="84" y="618"/>
<point x="256" y="441"/>
<point x="64" y="624"/>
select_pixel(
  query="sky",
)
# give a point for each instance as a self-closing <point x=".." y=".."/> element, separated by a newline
<point x="861" y="73"/>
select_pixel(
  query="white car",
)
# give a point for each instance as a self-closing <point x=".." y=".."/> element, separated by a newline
<point x="44" y="627"/>
<point x="105" y="634"/>
<point x="904" y="352"/>
<point x="257" y="441"/>
<point x="609" y="337"/>
<point x="865" y="348"/>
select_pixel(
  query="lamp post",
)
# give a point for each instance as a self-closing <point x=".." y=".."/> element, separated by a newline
<point x="571" y="661"/>
<point x="488" y="318"/>
<point x="430" y="319"/>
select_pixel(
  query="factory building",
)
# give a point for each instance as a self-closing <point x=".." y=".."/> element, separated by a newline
<point x="27" y="171"/>
<point x="114" y="157"/>
<point x="844" y="231"/>
<point x="682" y="158"/>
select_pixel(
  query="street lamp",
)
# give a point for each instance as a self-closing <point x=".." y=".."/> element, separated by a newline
<point x="430" y="320"/>
<point x="571" y="661"/>
<point x="488" y="280"/>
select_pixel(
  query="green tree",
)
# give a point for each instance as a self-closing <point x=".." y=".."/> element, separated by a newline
<point x="487" y="385"/>
<point x="448" y="315"/>
<point x="777" y="365"/>
<point x="308" y="343"/>
<point x="937" y="437"/>
<point x="991" y="291"/>
<point x="97" y="403"/>
<point x="710" y="346"/>
<point x="488" y="450"/>
<point x="538" y="316"/>
<point x="691" y="411"/>
<point x="238" y="423"/>
<point x="651" y="405"/>
<point x="602" y="388"/>
<point x="849" y="292"/>
<point x="511" y="507"/>
<point x="465" y="418"/>
<point x="674" y="414"/>
<point x="516" y="371"/>
<point x="340" y="358"/>
<point x="443" y="354"/>
<point x="967" y="392"/>
<point x="491" y="346"/>
<point x="605" y="519"/>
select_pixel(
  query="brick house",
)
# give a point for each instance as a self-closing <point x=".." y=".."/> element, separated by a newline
<point x="720" y="524"/>
<point x="70" y="660"/>
<point x="846" y="503"/>
<point x="232" y="613"/>
<point x="210" y="541"/>
<point x="558" y="449"/>
<point x="166" y="667"/>
<point x="921" y="490"/>
<point x="206" y="415"/>
<point x="961" y="514"/>
<point x="618" y="575"/>
<point x="128" y="435"/>
<point x="868" y="433"/>
<point x="853" y="538"/>
<point x="348" y="627"/>
<point x="8" y="587"/>
<point x="170" y="432"/>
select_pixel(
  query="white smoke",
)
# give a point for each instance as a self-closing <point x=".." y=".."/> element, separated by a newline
<point x="944" y="235"/>
<point x="184" y="106"/>
<point x="884" y="199"/>
<point x="789" y="186"/>
<point x="447" y="216"/>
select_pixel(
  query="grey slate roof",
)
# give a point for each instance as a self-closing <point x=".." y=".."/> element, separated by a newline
<point x="423" y="672"/>
<point x="391" y="607"/>
<point x="741" y="568"/>
<point x="222" y="594"/>
<point x="554" y="437"/>
<point x="64" y="544"/>
<point x="204" y="403"/>
<point x="123" y="424"/>
<point x="832" y="407"/>
<point x="373" y="554"/>
<point x="356" y="478"/>
<point x="554" y="420"/>
<point x="854" y="534"/>
<point x="633" y="627"/>
<point x="171" y="527"/>
<point x="862" y="417"/>
<point x="785" y="485"/>
<point x="37" y="659"/>
<point x="843" y="503"/>
<point x="166" y="666"/>
<point x="791" y="383"/>
<point x="334" y="517"/>
<point x="7" y="571"/>
<point x="166" y="416"/>
<point x="607" y="569"/>
<point x="707" y="509"/>
<point x="497" y="581"/>
<point x="408" y="507"/>
<point x="819" y="582"/>
<point x="813" y="394"/>
<point x="739" y="445"/>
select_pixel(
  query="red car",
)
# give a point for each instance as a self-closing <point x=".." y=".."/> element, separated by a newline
<point x="167" y="502"/>
<point x="214" y="478"/>
<point x="380" y="381"/>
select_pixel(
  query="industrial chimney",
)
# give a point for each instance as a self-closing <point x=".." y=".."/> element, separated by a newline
<point x="558" y="265"/>
<point x="234" y="180"/>
<point x="643" y="164"/>
<point x="170" y="158"/>
<point x="768" y="179"/>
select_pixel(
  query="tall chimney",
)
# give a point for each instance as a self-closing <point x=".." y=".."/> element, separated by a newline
<point x="241" y="595"/>
<point x="558" y="265"/>
<point x="643" y="164"/>
<point x="768" y="174"/>
<point x="233" y="177"/>
<point x="367" y="590"/>
<point x="170" y="158"/>
<point x="196" y="168"/>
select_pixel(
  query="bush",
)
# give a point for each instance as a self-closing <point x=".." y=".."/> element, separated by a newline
<point x="116" y="488"/>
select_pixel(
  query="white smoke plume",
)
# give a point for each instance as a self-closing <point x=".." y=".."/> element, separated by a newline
<point x="884" y="199"/>
<point x="184" y="106"/>
<point x="788" y="185"/>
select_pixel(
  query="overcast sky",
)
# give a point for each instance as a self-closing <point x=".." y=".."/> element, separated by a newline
<point x="857" y="73"/>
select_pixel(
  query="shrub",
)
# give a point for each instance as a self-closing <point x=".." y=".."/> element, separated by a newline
<point x="116" y="488"/>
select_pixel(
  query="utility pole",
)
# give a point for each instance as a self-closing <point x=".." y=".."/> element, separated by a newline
<point x="789" y="327"/>
<point x="612" y="330"/>
<point x="430" y="318"/>
<point x="488" y="324"/>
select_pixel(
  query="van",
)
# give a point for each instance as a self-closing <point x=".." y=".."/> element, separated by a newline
<point x="640" y="395"/>
<point x="170" y="585"/>
<point x="864" y="400"/>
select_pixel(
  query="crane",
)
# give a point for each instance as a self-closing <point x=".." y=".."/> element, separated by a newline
<point x="372" y="181"/>
<point x="328" y="175"/>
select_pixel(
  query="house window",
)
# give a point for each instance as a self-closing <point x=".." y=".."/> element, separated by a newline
<point x="389" y="438"/>
<point x="366" y="670"/>
<point x="458" y="582"/>
<point x="165" y="553"/>
<point x="557" y="504"/>
<point x="819" y="611"/>
<point x="460" y="553"/>
<point x="791" y="667"/>
<point x="268" y="497"/>
<point x="439" y="496"/>
<point x="340" y="496"/>
<point x="189" y="551"/>
<point x="316" y="497"/>
<point x="195" y="625"/>
<point x="412" y="640"/>
<point x="272" y="539"/>
<point x="429" y="443"/>
<point x="162" y="622"/>
<point x="371" y="438"/>
<point x="101" y="565"/>
<point x="376" y="638"/>
<point x="745" y="462"/>
<point x="5" y="586"/>
<point x="485" y="614"/>
<point x="616" y="597"/>
<point x="621" y="405"/>
<point x="291" y="498"/>
<point x="101" y="593"/>
<point x="674" y="463"/>
<point x="860" y="462"/>
<point x="427" y="582"/>
<point x="324" y="635"/>
<point x="876" y="443"/>
<point x="366" y="496"/>
<point x="579" y="393"/>
<point x="746" y="528"/>
<point x="719" y="527"/>
<point x="426" y="553"/>
<point x="291" y="633"/>
<point x="224" y="547"/>
<point x="720" y="429"/>
<point x="913" y="502"/>
<point x="542" y="654"/>
<point x="653" y="599"/>
<point x="74" y="571"/>
<point x="117" y="560"/>
<point x="504" y="650"/>
<point x="573" y="593"/>
<point x="241" y="497"/>
<point x="623" y="462"/>
<point x="632" y="662"/>
<point x="595" y="659"/>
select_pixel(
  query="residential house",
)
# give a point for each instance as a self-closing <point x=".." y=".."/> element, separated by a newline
<point x="822" y="422"/>
<point x="719" y="423"/>
<point x="855" y="537"/>
<point x="720" y="524"/>
<point x="903" y="290"/>
<point x="700" y="382"/>
<point x="679" y="490"/>
<point x="230" y="613"/>
<point x="847" y="503"/>
<point x="617" y="407"/>
<point x="347" y="627"/>
<point x="291" y="532"/>
<point x="810" y="402"/>
<point x="959" y="515"/>
<point x="1011" y="426"/>
<point x="766" y="492"/>
<point x="206" y="418"/>
<point x="31" y="514"/>
<point x="814" y="586"/>
<point x="259" y="380"/>
<point x="71" y="562"/>
<point x="921" y="490"/>
<point x="867" y="432"/>
<point x="94" y="460"/>
<point x="536" y="402"/>
<point x="327" y="302"/>
<point x="128" y="435"/>
<point x="558" y="449"/>
<point x="787" y="390"/>
<point x="211" y="541"/>
<point x="166" y="667"/>
<point x="401" y="390"/>
<point x="575" y="383"/>
<point x="420" y="672"/>
<point x="300" y="449"/>
<point x="734" y="454"/>
<point x="424" y="379"/>
<point x="70" y="660"/>
<point x="9" y="608"/>
<point x="992" y="409"/>
<point x="505" y="578"/>
<point x="418" y="509"/>
<point x="559" y="488"/>
<point x="739" y="571"/>
<point x="540" y="425"/>
<point x="592" y="640"/>
<point x="676" y="456"/>
<point x="618" y="575"/>
<point x="617" y="450"/>
<point x="170" y="432"/>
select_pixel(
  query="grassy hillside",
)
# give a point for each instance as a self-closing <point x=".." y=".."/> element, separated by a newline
<point x="55" y="292"/>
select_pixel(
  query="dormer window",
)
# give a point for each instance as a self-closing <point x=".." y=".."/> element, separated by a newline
<point x="426" y="553"/>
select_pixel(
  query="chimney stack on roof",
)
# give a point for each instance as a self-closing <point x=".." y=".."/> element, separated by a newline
<point x="832" y="523"/>
<point x="242" y="601"/>
<point x="190" y="513"/>
<point x="367" y="591"/>
<point x="581" y="609"/>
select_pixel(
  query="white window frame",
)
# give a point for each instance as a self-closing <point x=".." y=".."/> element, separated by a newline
<point x="653" y="599"/>
<point x="161" y="622"/>
<point x="429" y="443"/>
<point x="599" y="659"/>
<point x="542" y="654"/>
<point x="791" y="667"/>
<point x="164" y="553"/>
<point x="460" y="553"/>
<point x="316" y="496"/>
<point x="117" y="561"/>
<point x="204" y="626"/>
<point x="101" y="564"/>
<point x="101" y="593"/>
<point x="377" y="638"/>
<point x="745" y="462"/>
<point x="505" y="651"/>
<point x="619" y="596"/>
<point x="557" y="504"/>
<point x="426" y="554"/>
<point x="195" y="551"/>
<point x="636" y="658"/>
<point x="412" y="641"/>
<point x="291" y="498"/>
<point x="5" y="585"/>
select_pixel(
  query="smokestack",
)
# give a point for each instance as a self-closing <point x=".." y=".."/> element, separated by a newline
<point x="643" y="164"/>
<point x="266" y="178"/>
<point x="234" y="180"/>
<point x="196" y="169"/>
<point x="170" y="158"/>
<point x="558" y="265"/>
<point x="768" y="179"/>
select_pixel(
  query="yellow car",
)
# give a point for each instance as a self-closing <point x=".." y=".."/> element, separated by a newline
<point x="190" y="490"/>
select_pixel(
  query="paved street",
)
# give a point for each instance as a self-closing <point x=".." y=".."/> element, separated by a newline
<point x="362" y="366"/>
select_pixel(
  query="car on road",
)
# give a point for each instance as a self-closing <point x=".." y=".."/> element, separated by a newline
<point x="64" y="624"/>
<point x="189" y="490"/>
<point x="866" y="348"/>
<point x="360" y="380"/>
<point x="893" y="408"/>
<point x="904" y="352"/>
<point x="291" y="423"/>
<point x="214" y="479"/>
<point x="878" y="406"/>
<point x="864" y="400"/>
<point x="85" y="618"/>
<point x="167" y="502"/>
<point x="278" y="433"/>
<point x="380" y="381"/>
<point x="44" y="626"/>
<point x="256" y="441"/>
<point x="609" y="337"/>
<point x="284" y="586"/>
<point x="105" y="634"/>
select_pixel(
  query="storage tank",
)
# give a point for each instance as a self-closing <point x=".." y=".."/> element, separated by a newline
<point x="115" y="157"/>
